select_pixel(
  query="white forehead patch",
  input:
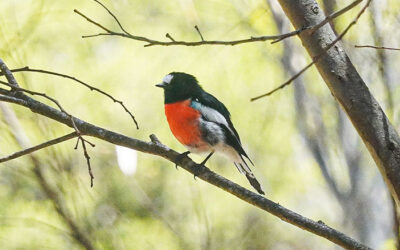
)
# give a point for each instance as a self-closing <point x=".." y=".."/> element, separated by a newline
<point x="167" y="79"/>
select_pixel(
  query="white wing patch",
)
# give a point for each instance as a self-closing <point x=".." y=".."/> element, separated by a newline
<point x="210" y="114"/>
<point x="167" y="79"/>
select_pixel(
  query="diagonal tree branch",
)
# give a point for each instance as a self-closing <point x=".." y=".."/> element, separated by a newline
<point x="349" y="89"/>
<point x="286" y="83"/>
<point x="155" y="147"/>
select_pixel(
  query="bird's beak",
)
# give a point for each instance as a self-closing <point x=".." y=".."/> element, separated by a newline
<point x="161" y="85"/>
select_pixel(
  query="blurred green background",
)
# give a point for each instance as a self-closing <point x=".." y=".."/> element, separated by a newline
<point x="307" y="155"/>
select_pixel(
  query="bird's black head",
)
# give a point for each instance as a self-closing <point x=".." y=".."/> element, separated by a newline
<point x="179" y="86"/>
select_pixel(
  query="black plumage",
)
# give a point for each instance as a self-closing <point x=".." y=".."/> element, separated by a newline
<point x="215" y="119"/>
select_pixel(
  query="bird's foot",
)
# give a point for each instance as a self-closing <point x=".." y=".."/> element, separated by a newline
<point x="180" y="157"/>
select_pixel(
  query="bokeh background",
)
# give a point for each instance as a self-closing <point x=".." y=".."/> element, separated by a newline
<point x="307" y="155"/>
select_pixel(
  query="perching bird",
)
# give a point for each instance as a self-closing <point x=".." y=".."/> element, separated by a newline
<point x="202" y="123"/>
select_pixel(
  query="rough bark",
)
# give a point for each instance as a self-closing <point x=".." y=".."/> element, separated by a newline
<point x="350" y="91"/>
<point x="352" y="200"/>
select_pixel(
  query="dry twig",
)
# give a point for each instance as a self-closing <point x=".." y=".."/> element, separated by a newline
<point x="151" y="42"/>
<point x="16" y="93"/>
<point x="38" y="147"/>
<point x="92" y="88"/>
<point x="317" y="57"/>
<point x="375" y="47"/>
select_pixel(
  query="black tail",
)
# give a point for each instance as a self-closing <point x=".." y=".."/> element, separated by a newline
<point x="253" y="181"/>
<point x="244" y="169"/>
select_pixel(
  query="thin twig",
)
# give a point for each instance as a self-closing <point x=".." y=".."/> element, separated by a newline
<point x="85" y="153"/>
<point x="317" y="57"/>
<point x="93" y="22"/>
<point x="169" y="37"/>
<point x="78" y="132"/>
<point x="151" y="42"/>
<point x="290" y="34"/>
<point x="38" y="94"/>
<point x="288" y="82"/>
<point x="92" y="88"/>
<point x="45" y="96"/>
<point x="334" y="15"/>
<point x="375" y="47"/>
<point x="198" y="31"/>
<point x="115" y="18"/>
<point x="38" y="147"/>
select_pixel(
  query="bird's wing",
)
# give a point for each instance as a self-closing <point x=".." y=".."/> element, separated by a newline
<point x="215" y="111"/>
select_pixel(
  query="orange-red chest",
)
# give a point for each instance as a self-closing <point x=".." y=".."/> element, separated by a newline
<point x="183" y="121"/>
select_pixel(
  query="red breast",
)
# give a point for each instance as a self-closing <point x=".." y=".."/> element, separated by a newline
<point x="184" y="122"/>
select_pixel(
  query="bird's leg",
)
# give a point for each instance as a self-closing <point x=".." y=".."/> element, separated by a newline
<point x="206" y="159"/>
<point x="201" y="165"/>
<point x="180" y="157"/>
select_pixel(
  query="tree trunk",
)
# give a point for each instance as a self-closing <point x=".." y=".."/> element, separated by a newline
<point x="350" y="91"/>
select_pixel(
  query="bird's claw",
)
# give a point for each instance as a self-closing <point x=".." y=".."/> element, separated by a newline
<point x="180" y="157"/>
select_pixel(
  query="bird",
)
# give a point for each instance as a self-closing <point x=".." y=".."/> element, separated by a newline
<point x="202" y="123"/>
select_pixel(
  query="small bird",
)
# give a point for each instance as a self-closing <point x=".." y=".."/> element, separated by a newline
<point x="202" y="123"/>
